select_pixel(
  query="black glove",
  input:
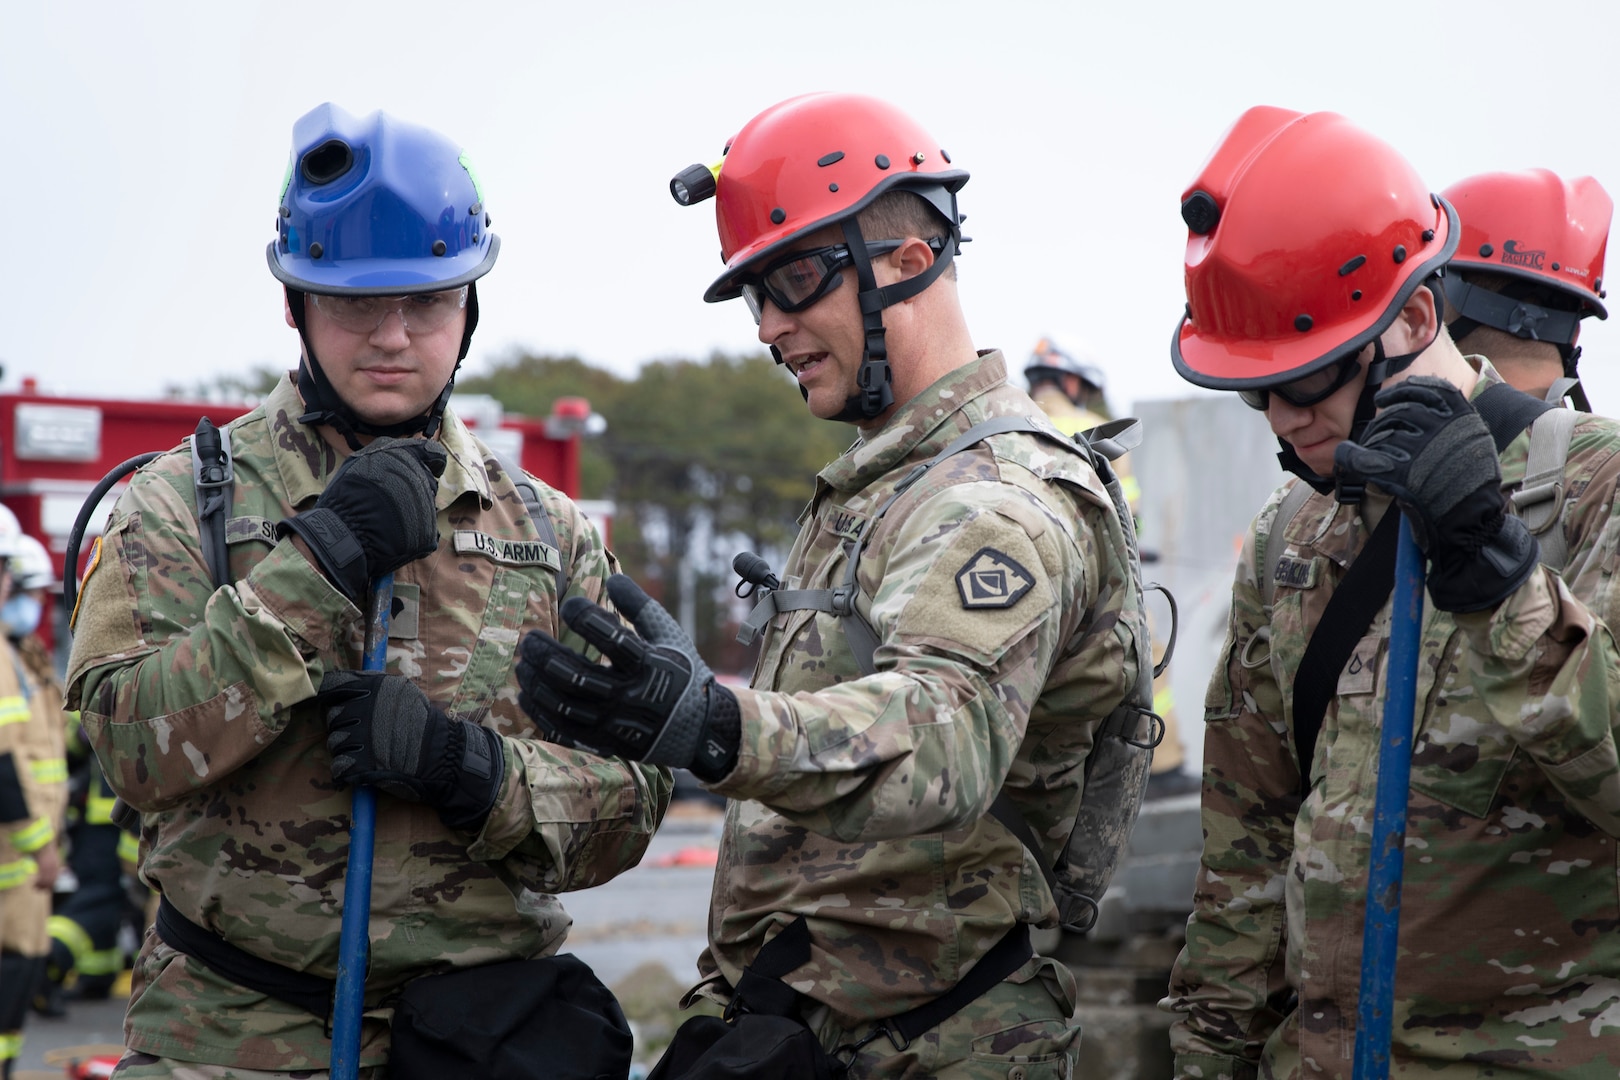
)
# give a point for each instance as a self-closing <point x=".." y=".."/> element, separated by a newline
<point x="657" y="701"/>
<point x="383" y="731"/>
<point x="376" y="514"/>
<point x="1429" y="449"/>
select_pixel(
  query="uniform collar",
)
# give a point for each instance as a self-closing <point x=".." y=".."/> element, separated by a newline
<point x="306" y="461"/>
<point x="916" y="426"/>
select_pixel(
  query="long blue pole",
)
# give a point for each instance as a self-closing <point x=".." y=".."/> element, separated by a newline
<point x="1379" y="935"/>
<point x="354" y="942"/>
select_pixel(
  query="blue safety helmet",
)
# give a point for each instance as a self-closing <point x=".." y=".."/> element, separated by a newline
<point x="375" y="206"/>
<point x="378" y="207"/>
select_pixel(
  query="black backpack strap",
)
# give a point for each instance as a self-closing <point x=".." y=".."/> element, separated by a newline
<point x="537" y="513"/>
<point x="215" y="478"/>
<point x="1368" y="583"/>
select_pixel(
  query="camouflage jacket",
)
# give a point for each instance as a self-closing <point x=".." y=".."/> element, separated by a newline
<point x="861" y="802"/>
<point x="1508" y="960"/>
<point x="196" y="701"/>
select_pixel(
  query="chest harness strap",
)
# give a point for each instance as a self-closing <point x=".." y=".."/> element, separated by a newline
<point x="1368" y="583"/>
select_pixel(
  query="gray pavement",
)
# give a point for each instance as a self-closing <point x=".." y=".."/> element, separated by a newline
<point x="650" y="913"/>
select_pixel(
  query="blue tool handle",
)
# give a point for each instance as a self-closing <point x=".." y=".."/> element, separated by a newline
<point x="354" y="943"/>
<point x="1382" y="928"/>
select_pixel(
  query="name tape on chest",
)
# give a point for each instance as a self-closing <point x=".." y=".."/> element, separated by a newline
<point x="242" y="529"/>
<point x="1295" y="573"/>
<point x="991" y="579"/>
<point x="506" y="552"/>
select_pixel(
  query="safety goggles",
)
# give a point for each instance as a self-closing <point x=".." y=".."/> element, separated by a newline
<point x="801" y="278"/>
<point x="1307" y="390"/>
<point x="422" y="313"/>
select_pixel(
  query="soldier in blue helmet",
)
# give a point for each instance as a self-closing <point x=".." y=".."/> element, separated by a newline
<point x="233" y="715"/>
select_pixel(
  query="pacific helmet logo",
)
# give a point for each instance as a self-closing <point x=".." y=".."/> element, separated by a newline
<point x="1512" y="256"/>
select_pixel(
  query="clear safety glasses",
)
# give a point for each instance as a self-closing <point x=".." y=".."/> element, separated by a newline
<point x="422" y="313"/>
<point x="1307" y="390"/>
<point x="801" y="278"/>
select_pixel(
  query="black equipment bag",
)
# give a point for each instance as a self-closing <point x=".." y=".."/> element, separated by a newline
<point x="548" y="1018"/>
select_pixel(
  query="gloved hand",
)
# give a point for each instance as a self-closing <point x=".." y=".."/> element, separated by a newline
<point x="657" y="701"/>
<point x="1430" y="450"/>
<point x="376" y="514"/>
<point x="383" y="731"/>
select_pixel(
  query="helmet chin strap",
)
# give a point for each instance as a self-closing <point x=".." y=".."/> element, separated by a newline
<point x="324" y="407"/>
<point x="1379" y="369"/>
<point x="873" y="381"/>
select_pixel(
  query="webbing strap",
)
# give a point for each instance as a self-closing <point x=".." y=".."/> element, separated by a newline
<point x="1540" y="499"/>
<point x="840" y="601"/>
<point x="537" y="514"/>
<point x="309" y="992"/>
<point x="1368" y="583"/>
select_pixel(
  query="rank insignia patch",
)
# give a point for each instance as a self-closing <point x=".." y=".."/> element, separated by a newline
<point x="992" y="580"/>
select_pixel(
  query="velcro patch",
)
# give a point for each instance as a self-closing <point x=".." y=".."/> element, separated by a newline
<point x="241" y="529"/>
<point x="991" y="579"/>
<point x="845" y="523"/>
<point x="1295" y="573"/>
<point x="506" y="552"/>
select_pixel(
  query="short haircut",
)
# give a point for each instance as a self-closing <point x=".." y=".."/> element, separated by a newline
<point x="895" y="215"/>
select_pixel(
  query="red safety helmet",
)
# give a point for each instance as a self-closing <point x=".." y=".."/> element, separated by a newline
<point x="813" y="160"/>
<point x="1306" y="235"/>
<point x="1536" y="226"/>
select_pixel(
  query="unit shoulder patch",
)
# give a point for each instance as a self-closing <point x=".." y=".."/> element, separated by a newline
<point x="992" y="579"/>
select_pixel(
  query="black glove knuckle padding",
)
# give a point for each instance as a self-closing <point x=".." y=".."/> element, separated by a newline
<point x="1431" y="451"/>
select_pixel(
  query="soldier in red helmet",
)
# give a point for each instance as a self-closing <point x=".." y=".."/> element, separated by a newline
<point x="1529" y="268"/>
<point x="954" y="631"/>
<point x="1312" y="276"/>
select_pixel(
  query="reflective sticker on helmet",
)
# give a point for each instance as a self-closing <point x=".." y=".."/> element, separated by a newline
<point x="466" y="163"/>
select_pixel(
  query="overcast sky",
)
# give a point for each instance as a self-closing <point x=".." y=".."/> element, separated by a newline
<point x="144" y="144"/>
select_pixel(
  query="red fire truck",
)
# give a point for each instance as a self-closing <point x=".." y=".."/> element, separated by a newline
<point x="53" y="450"/>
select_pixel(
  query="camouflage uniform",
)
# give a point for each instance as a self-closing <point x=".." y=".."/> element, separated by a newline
<point x="1508" y="963"/>
<point x="861" y="802"/>
<point x="194" y="699"/>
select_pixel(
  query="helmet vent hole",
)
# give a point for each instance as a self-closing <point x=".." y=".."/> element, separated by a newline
<point x="328" y="161"/>
<point x="1485" y="251"/>
<point x="315" y="250"/>
<point x="438" y="247"/>
<point x="1555" y="266"/>
<point x="1428" y="234"/>
<point x="1302" y="323"/>
<point x="1200" y="211"/>
<point x="1400" y="253"/>
<point x="881" y="161"/>
<point x="830" y="159"/>
<point x="946" y="156"/>
<point x="832" y="187"/>
<point x="1356" y="295"/>
<point x="778" y="216"/>
<point x="1352" y="266"/>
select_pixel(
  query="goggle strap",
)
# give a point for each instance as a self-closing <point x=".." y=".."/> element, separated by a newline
<point x="873" y="378"/>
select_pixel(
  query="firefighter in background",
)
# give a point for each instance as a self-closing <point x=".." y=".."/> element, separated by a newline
<point x="1073" y="391"/>
<point x="85" y="958"/>
<point x="1529" y="268"/>
<point x="32" y="793"/>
